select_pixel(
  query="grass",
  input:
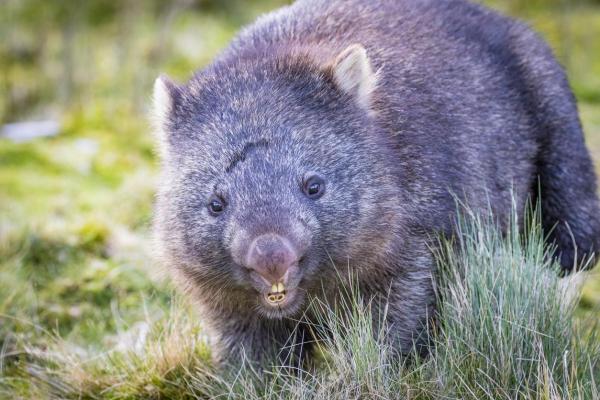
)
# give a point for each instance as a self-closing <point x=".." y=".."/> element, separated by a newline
<point x="84" y="313"/>
<point x="508" y="322"/>
<point x="506" y="329"/>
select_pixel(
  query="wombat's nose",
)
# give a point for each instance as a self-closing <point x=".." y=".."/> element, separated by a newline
<point x="271" y="256"/>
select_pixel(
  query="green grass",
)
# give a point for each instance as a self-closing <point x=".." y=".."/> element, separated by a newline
<point x="77" y="280"/>
<point x="506" y="329"/>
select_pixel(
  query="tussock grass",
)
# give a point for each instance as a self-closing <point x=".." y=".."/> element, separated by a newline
<point x="507" y="327"/>
<point x="505" y="330"/>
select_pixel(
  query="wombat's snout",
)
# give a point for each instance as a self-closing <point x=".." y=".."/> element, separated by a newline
<point x="271" y="256"/>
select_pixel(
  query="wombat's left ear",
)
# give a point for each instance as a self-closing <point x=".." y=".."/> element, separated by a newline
<point x="353" y="74"/>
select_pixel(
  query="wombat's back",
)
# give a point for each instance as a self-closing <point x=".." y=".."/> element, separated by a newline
<point x="449" y="90"/>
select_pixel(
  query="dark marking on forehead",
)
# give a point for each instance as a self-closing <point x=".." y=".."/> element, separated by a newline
<point x="241" y="155"/>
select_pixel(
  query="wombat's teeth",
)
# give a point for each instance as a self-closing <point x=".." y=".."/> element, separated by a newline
<point x="278" y="288"/>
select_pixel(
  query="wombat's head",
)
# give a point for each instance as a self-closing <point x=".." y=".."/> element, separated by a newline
<point x="274" y="171"/>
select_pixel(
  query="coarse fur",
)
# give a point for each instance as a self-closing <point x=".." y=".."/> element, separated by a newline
<point x="400" y="105"/>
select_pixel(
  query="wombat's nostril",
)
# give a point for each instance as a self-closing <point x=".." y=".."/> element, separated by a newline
<point x="271" y="256"/>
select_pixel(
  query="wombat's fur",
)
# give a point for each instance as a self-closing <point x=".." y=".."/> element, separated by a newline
<point x="397" y="105"/>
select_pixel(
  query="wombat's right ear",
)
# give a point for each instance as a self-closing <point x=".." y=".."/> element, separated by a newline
<point x="354" y="75"/>
<point x="166" y="95"/>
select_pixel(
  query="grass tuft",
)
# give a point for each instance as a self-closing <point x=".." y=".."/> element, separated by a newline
<point x="507" y="320"/>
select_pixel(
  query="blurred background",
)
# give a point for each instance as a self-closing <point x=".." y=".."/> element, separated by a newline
<point x="77" y="167"/>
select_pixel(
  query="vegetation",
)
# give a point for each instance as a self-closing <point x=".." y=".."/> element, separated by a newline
<point x="505" y="330"/>
<point x="84" y="313"/>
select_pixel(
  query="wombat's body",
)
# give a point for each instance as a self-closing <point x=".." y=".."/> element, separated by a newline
<point x="337" y="133"/>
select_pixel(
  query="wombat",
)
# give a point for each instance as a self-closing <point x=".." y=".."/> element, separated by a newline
<point x="338" y="133"/>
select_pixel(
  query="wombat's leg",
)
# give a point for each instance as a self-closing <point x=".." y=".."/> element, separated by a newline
<point x="410" y="306"/>
<point x="262" y="343"/>
<point x="570" y="210"/>
<point x="567" y="183"/>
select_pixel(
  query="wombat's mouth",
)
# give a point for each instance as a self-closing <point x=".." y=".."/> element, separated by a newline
<point x="281" y="301"/>
<point x="279" y="296"/>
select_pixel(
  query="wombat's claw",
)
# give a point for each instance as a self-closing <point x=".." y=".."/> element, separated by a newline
<point x="277" y="293"/>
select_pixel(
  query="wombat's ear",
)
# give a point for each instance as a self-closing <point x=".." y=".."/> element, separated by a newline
<point x="166" y="95"/>
<point x="353" y="74"/>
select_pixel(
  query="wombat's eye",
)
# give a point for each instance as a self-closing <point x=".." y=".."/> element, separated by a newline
<point x="314" y="187"/>
<point x="216" y="205"/>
